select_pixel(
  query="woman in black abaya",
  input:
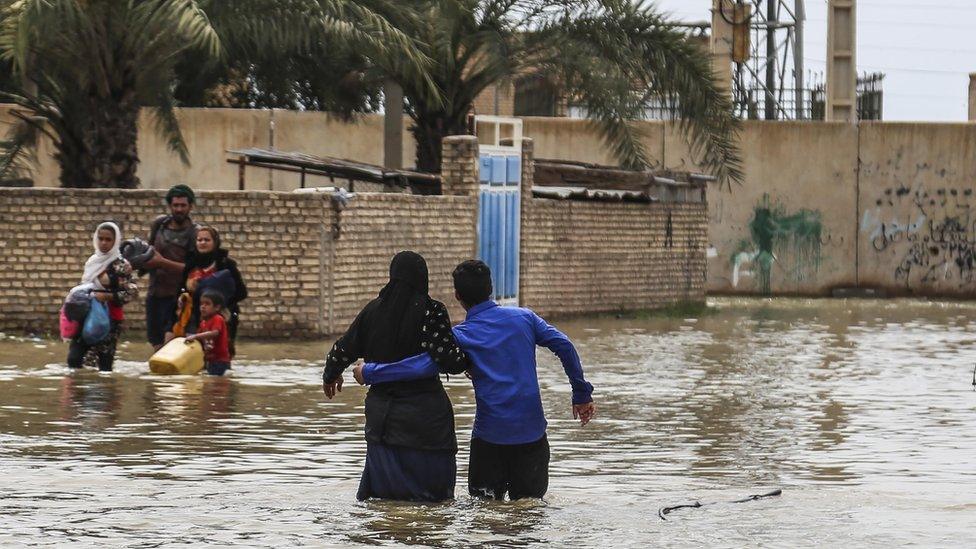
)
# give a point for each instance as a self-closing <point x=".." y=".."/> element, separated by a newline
<point x="410" y="439"/>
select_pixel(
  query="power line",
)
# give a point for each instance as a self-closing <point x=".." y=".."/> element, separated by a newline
<point x="926" y="95"/>
<point x="904" y="48"/>
<point x="946" y="7"/>
<point x="915" y="24"/>
<point x="913" y="6"/>
<point x="896" y="69"/>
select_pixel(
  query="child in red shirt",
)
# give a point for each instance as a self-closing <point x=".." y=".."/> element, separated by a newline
<point x="212" y="331"/>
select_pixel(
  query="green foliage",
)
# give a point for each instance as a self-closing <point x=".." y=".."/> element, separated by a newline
<point x="82" y="69"/>
<point x="613" y="57"/>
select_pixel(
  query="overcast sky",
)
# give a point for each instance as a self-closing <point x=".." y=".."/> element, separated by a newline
<point x="926" y="48"/>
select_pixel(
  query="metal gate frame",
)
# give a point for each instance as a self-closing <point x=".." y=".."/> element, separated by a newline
<point x="499" y="208"/>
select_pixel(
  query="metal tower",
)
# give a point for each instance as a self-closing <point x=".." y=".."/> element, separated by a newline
<point x="769" y="85"/>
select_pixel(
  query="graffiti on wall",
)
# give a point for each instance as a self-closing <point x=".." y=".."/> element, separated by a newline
<point x="932" y="234"/>
<point x="788" y="244"/>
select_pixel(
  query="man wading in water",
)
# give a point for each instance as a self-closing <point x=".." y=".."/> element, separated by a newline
<point x="173" y="236"/>
<point x="509" y="448"/>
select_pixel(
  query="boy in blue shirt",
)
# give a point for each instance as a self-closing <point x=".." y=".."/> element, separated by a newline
<point x="509" y="448"/>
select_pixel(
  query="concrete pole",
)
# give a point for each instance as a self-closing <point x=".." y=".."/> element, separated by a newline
<point x="720" y="44"/>
<point x="972" y="97"/>
<point x="392" y="125"/>
<point x="841" y="61"/>
<point x="801" y="15"/>
<point x="771" y="17"/>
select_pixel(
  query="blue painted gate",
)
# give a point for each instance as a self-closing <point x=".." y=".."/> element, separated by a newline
<point x="498" y="219"/>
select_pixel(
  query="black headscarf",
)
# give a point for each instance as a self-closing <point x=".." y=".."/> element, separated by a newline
<point x="393" y="328"/>
<point x="204" y="260"/>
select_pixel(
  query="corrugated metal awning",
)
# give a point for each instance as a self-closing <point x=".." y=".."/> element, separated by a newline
<point x="333" y="167"/>
<point x="583" y="193"/>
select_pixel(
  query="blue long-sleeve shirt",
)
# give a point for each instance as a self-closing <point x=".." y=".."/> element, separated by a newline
<point x="501" y="343"/>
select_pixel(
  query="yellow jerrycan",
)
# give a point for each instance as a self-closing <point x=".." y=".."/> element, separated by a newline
<point x="176" y="357"/>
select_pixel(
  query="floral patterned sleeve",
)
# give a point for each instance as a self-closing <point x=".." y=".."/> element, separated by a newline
<point x="438" y="340"/>
<point x="120" y="282"/>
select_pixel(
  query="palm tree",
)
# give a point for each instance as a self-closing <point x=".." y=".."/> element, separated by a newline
<point x="84" y="68"/>
<point x="613" y="57"/>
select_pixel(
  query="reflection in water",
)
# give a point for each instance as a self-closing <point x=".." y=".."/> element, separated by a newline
<point x="862" y="411"/>
<point x="91" y="398"/>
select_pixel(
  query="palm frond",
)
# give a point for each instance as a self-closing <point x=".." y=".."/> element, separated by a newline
<point x="168" y="126"/>
<point x="625" y="41"/>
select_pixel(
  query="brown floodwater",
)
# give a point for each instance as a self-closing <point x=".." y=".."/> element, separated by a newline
<point x="863" y="412"/>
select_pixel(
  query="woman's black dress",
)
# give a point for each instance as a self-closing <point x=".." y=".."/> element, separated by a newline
<point x="411" y="444"/>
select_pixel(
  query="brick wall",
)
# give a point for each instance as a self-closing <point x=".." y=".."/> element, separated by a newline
<point x="497" y="99"/>
<point x="46" y="236"/>
<point x="580" y="257"/>
<point x="310" y="266"/>
<point x="374" y="227"/>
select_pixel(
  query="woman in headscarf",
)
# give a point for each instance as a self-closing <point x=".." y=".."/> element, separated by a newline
<point x="210" y="265"/>
<point x="410" y="439"/>
<point x="110" y="277"/>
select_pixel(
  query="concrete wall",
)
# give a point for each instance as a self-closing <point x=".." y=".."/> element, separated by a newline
<point x="568" y="139"/>
<point x="791" y="227"/>
<point x="853" y="185"/>
<point x="209" y="133"/>
<point x="917" y="215"/>
<point x="826" y="205"/>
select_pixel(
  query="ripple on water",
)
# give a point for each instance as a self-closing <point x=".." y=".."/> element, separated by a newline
<point x="861" y="410"/>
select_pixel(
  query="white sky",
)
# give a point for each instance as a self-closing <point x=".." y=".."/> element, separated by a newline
<point x="926" y="49"/>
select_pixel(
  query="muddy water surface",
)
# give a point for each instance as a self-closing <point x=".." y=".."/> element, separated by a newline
<point x="863" y="412"/>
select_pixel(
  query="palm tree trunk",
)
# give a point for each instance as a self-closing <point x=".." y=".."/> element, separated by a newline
<point x="429" y="131"/>
<point x="105" y="153"/>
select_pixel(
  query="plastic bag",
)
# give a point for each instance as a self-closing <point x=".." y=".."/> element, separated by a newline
<point x="221" y="281"/>
<point x="78" y="303"/>
<point x="97" y="324"/>
<point x="69" y="328"/>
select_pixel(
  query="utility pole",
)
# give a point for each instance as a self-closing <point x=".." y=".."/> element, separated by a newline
<point x="771" y="17"/>
<point x="392" y="125"/>
<point x="972" y="97"/>
<point x="800" y="15"/>
<point x="841" y="61"/>
<point x="721" y="42"/>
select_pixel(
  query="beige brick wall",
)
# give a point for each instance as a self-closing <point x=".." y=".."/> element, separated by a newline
<point x="377" y="226"/>
<point x="301" y="282"/>
<point x="497" y="99"/>
<point x="45" y="235"/>
<point x="580" y="257"/>
<point x="311" y="268"/>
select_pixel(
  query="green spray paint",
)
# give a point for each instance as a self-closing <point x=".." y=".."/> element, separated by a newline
<point x="776" y="233"/>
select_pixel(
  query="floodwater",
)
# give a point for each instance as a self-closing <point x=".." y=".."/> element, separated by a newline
<point x="863" y="412"/>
